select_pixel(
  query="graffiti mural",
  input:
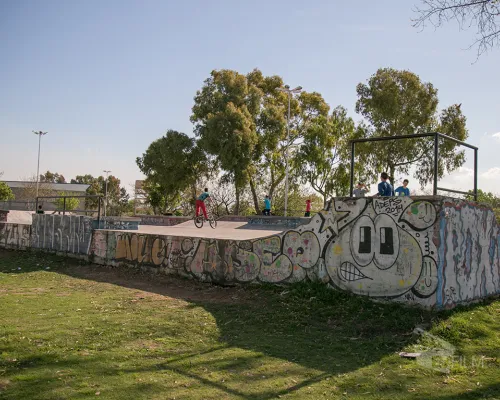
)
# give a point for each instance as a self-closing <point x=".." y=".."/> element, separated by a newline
<point x="14" y="236"/>
<point x="66" y="233"/>
<point x="432" y="251"/>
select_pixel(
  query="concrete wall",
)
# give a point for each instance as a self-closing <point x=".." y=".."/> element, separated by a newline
<point x="434" y="252"/>
<point x="163" y="220"/>
<point x="429" y="251"/>
<point x="14" y="236"/>
<point x="117" y="223"/>
<point x="64" y="233"/>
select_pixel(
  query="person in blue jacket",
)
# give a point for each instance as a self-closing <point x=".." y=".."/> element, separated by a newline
<point x="403" y="190"/>
<point x="267" y="205"/>
<point x="384" y="187"/>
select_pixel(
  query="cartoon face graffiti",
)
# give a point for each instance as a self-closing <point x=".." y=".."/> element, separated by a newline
<point x="374" y="257"/>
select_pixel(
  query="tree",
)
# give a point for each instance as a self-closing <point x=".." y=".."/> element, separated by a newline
<point x="297" y="197"/>
<point x="6" y="193"/>
<point x="488" y="198"/>
<point x="28" y="192"/>
<point x="397" y="103"/>
<point x="171" y="164"/>
<point x="68" y="204"/>
<point x="483" y="14"/>
<point x="117" y="196"/>
<point x="223" y="115"/>
<point x="50" y="177"/>
<point x="223" y="197"/>
<point x="323" y="158"/>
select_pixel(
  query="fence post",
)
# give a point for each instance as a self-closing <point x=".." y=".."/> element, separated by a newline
<point x="436" y="163"/>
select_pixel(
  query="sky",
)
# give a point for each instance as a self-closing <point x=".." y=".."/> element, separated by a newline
<point x="106" y="78"/>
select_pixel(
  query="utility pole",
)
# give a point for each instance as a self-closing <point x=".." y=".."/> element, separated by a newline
<point x="106" y="191"/>
<point x="40" y="134"/>
<point x="290" y="92"/>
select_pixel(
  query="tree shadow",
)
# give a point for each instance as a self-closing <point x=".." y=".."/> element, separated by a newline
<point x="306" y="325"/>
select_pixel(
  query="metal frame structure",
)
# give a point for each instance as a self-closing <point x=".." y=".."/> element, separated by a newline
<point x="436" y="136"/>
<point x="99" y="197"/>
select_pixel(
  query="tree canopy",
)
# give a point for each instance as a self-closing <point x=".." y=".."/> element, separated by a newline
<point x="224" y="120"/>
<point x="50" y="177"/>
<point x="171" y="164"/>
<point x="323" y="157"/>
<point x="397" y="103"/>
<point x="117" y="196"/>
<point x="68" y="204"/>
<point x="5" y="192"/>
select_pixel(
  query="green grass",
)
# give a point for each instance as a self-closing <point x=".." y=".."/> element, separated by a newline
<point x="77" y="331"/>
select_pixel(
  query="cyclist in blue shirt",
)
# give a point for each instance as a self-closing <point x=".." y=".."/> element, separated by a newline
<point x="384" y="187"/>
<point x="403" y="190"/>
<point x="200" y="203"/>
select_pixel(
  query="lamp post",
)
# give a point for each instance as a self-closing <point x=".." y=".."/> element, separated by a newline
<point x="106" y="191"/>
<point x="290" y="92"/>
<point x="40" y="134"/>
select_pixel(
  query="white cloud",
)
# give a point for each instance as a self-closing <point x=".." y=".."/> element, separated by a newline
<point x="496" y="135"/>
<point x="463" y="171"/>
<point x="492" y="173"/>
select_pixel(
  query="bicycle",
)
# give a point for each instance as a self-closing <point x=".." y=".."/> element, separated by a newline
<point x="200" y="219"/>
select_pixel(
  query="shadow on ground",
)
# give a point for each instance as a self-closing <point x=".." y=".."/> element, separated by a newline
<point x="327" y="331"/>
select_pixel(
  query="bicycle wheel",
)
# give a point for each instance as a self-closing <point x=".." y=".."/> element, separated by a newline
<point x="213" y="222"/>
<point x="198" y="221"/>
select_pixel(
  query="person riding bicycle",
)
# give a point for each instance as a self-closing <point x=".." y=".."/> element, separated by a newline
<point x="200" y="204"/>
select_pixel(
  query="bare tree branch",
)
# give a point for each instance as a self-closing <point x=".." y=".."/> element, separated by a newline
<point x="483" y="14"/>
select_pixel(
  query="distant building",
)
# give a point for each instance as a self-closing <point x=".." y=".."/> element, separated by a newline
<point x="25" y="194"/>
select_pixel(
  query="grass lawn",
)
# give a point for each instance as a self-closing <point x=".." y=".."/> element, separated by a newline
<point x="72" y="331"/>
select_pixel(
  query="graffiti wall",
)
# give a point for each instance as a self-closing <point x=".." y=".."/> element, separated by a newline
<point x="434" y="252"/>
<point x="65" y="233"/>
<point x="14" y="236"/>
<point x="430" y="251"/>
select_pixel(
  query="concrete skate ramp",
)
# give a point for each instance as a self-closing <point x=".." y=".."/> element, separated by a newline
<point x="19" y="217"/>
<point x="227" y="230"/>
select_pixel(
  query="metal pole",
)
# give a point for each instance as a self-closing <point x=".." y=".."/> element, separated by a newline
<point x="286" y="156"/>
<point x="99" y="212"/>
<point x="105" y="195"/>
<point x="106" y="190"/>
<point x="38" y="166"/>
<point x="436" y="164"/>
<point x="475" y="174"/>
<point x="352" y="169"/>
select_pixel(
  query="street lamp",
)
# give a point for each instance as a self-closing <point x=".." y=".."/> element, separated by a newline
<point x="106" y="191"/>
<point x="40" y="134"/>
<point x="290" y="92"/>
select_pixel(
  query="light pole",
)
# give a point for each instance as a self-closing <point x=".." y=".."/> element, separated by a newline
<point x="40" y="134"/>
<point x="106" y="191"/>
<point x="290" y="92"/>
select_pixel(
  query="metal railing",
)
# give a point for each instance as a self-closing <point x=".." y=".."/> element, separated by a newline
<point x="64" y="210"/>
<point x="436" y="136"/>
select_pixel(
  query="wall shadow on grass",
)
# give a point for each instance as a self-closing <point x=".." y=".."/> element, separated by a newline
<point x="297" y="327"/>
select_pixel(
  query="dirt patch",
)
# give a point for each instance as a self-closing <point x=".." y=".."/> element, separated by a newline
<point x="144" y="344"/>
<point x="161" y="287"/>
<point x="4" y="384"/>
